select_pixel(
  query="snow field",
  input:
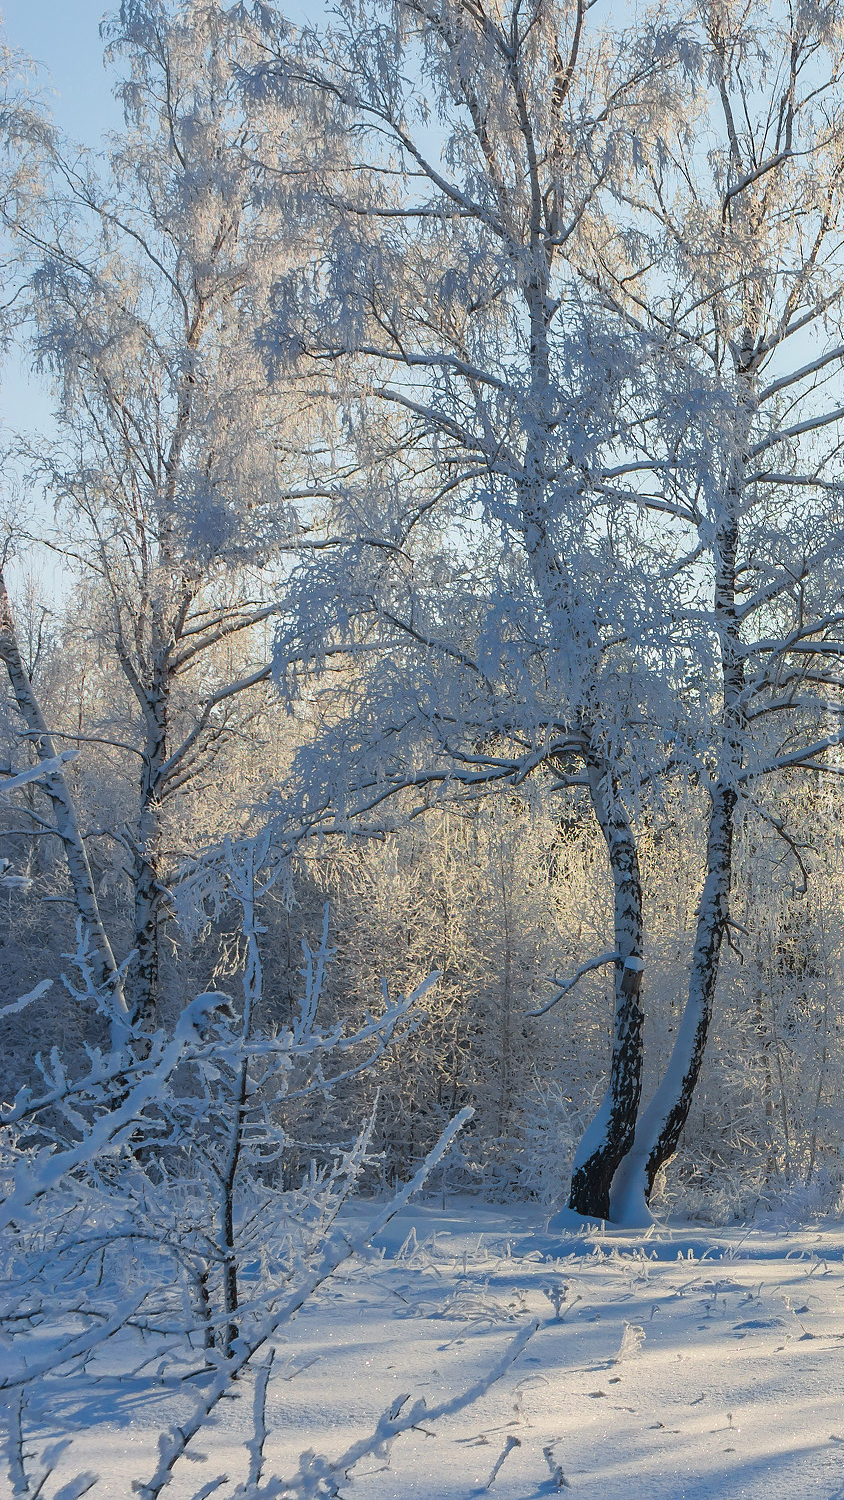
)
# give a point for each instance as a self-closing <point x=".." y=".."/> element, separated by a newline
<point x="672" y="1366"/>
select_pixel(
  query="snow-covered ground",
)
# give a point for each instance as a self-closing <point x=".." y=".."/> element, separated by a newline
<point x="684" y="1364"/>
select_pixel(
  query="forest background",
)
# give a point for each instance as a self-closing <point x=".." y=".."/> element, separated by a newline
<point x="440" y="509"/>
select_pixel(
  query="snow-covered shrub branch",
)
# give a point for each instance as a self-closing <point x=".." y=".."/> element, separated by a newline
<point x="171" y="1153"/>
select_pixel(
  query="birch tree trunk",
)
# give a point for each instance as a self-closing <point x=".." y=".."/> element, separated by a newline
<point x="576" y="653"/>
<point x="147" y="873"/>
<point x="661" y="1123"/>
<point x="610" y="1136"/>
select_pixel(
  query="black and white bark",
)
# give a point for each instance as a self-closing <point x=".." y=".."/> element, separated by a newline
<point x="575" y="663"/>
<point x="610" y="1135"/>
<point x="757" y="268"/>
<point x="661" y="1123"/>
<point x="488" y="405"/>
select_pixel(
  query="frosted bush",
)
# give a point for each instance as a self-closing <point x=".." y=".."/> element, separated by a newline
<point x="550" y="1131"/>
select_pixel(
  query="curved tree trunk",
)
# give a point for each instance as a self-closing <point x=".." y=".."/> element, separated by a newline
<point x="611" y="1133"/>
<point x="661" y="1123"/>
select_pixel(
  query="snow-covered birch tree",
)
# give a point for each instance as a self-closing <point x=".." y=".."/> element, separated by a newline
<point x="735" y="222"/>
<point x="509" y="605"/>
<point x="174" y="458"/>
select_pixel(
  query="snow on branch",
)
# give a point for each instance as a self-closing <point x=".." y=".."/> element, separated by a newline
<point x="21" y="1004"/>
<point x="36" y="773"/>
<point x="320" y="1476"/>
<point x="593" y="963"/>
<point x="113" y="1125"/>
<point x="339" y="1248"/>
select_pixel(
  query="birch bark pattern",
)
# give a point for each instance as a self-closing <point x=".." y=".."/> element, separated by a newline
<point x="661" y="1124"/>
<point x="610" y="1135"/>
<point x="147" y="850"/>
<point x="576" y="652"/>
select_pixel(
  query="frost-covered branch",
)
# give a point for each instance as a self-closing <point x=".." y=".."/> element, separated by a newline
<point x="593" y="963"/>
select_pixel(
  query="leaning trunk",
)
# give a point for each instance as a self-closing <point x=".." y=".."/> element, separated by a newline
<point x="661" y="1124"/>
<point x="611" y="1133"/>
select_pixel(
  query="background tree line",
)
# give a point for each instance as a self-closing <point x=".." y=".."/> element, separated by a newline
<point x="446" y="475"/>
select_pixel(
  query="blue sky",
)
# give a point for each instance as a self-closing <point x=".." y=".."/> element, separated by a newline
<point x="63" y="36"/>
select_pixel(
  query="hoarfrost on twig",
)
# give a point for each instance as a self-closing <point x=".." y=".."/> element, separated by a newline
<point x="510" y="1443"/>
<point x="631" y="1341"/>
<point x="558" y="1478"/>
